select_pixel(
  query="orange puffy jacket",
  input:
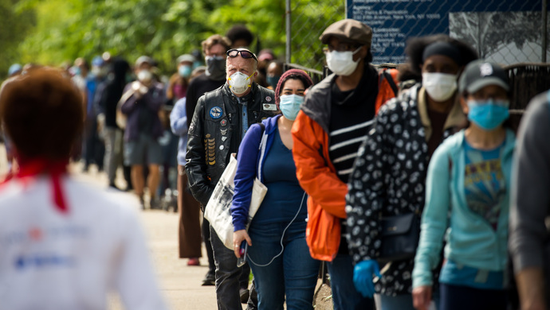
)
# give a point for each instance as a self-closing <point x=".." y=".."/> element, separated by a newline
<point x="316" y="173"/>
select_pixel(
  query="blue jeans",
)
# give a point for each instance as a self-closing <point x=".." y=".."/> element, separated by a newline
<point x="227" y="275"/>
<point x="344" y="294"/>
<point x="293" y="273"/>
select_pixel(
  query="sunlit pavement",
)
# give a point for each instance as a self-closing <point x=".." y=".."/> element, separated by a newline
<point x="181" y="284"/>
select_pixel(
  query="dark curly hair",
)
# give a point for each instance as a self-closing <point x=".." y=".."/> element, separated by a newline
<point x="239" y="32"/>
<point x="42" y="113"/>
<point x="415" y="49"/>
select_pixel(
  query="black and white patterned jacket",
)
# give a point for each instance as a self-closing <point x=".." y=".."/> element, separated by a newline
<point x="389" y="179"/>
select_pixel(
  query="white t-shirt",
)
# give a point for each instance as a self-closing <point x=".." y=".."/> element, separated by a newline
<point x="53" y="260"/>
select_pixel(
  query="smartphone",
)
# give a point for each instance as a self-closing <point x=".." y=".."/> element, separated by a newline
<point x="243" y="250"/>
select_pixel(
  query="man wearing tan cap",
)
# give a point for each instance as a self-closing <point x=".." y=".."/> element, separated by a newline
<point x="341" y="107"/>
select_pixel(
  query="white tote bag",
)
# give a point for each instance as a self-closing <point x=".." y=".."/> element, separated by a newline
<point x="218" y="209"/>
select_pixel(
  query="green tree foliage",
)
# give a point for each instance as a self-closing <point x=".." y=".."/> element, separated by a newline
<point x="163" y="29"/>
<point x="14" y="25"/>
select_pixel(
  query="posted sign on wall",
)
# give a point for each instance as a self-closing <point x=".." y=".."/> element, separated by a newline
<point x="394" y="21"/>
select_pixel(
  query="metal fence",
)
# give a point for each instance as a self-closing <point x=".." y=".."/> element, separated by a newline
<point x="306" y="21"/>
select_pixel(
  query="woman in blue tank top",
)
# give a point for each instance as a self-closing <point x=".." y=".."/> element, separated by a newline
<point x="277" y="251"/>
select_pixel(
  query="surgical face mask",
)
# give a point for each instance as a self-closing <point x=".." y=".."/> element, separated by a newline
<point x="215" y="67"/>
<point x="290" y="105"/>
<point x="273" y="80"/>
<point x="488" y="114"/>
<point x="184" y="71"/>
<point x="145" y="76"/>
<point x="341" y="63"/>
<point x="239" y="82"/>
<point x="96" y="71"/>
<point x="440" y="86"/>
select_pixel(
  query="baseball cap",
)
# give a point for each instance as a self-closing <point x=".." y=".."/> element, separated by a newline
<point x="186" y="57"/>
<point x="144" y="59"/>
<point x="348" y="30"/>
<point x="481" y="73"/>
<point x="14" y="68"/>
<point x="266" y="54"/>
<point x="98" y="61"/>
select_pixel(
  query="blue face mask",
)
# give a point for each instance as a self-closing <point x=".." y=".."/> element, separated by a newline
<point x="273" y="80"/>
<point x="184" y="71"/>
<point x="290" y="105"/>
<point x="488" y="114"/>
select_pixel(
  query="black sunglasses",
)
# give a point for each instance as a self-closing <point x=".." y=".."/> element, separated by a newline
<point x="244" y="54"/>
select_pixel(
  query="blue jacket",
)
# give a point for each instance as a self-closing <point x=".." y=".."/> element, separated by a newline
<point x="250" y="162"/>
<point x="178" y="123"/>
<point x="471" y="240"/>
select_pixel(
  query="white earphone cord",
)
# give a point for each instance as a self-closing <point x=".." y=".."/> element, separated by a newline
<point x="282" y="237"/>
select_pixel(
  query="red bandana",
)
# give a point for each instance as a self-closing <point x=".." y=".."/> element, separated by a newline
<point x="55" y="169"/>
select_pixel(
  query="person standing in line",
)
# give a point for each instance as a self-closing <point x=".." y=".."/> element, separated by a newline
<point x="108" y="96"/>
<point x="530" y="207"/>
<point x="221" y="120"/>
<point x="214" y="49"/>
<point x="327" y="133"/>
<point x="143" y="130"/>
<point x="13" y="71"/>
<point x="189" y="208"/>
<point x="65" y="245"/>
<point x="277" y="250"/>
<point x="179" y="81"/>
<point x="468" y="197"/>
<point x="388" y="177"/>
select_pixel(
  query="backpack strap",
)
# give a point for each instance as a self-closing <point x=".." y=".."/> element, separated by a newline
<point x="391" y="82"/>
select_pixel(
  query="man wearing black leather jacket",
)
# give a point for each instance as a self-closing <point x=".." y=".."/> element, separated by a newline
<point x="219" y="123"/>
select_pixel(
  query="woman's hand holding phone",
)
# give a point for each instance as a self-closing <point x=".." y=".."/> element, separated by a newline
<point x="238" y="237"/>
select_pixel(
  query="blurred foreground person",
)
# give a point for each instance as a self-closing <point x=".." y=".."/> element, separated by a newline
<point x="63" y="244"/>
<point x="530" y="207"/>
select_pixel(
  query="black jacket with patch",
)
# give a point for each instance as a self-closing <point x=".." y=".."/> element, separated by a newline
<point x="216" y="132"/>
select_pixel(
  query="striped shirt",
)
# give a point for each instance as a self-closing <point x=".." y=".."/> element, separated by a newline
<point x="351" y="115"/>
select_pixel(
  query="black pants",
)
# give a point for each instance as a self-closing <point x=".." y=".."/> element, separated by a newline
<point x="454" y="297"/>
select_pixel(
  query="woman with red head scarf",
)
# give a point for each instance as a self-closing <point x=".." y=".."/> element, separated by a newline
<point x="63" y="244"/>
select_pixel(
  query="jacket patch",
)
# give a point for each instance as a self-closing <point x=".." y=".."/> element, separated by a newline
<point x="269" y="107"/>
<point x="216" y="112"/>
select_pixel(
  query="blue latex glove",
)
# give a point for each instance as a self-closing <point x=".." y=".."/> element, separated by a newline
<point x="362" y="277"/>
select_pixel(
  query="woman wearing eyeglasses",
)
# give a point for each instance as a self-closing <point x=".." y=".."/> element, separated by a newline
<point x="277" y="249"/>
<point x="468" y="192"/>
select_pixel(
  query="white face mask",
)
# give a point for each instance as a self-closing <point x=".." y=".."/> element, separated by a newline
<point x="239" y="82"/>
<point x="440" y="86"/>
<point x="341" y="63"/>
<point x="145" y="76"/>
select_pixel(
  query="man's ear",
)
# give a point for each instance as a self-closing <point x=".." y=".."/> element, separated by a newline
<point x="463" y="104"/>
